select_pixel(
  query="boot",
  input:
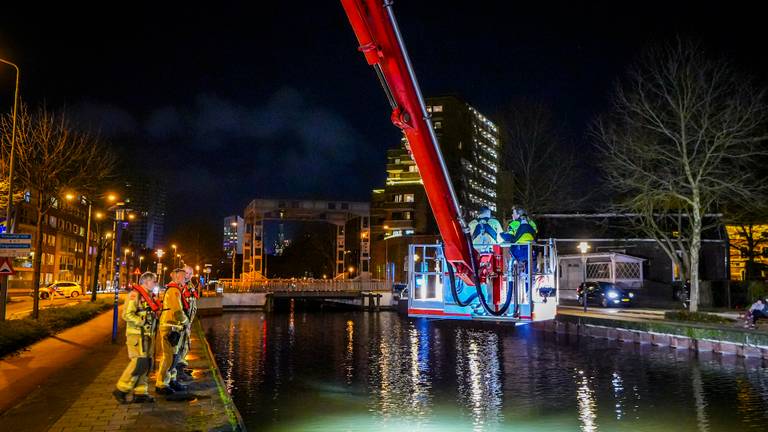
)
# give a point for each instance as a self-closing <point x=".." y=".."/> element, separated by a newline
<point x="120" y="396"/>
<point x="143" y="399"/>
<point x="176" y="386"/>
<point x="181" y="374"/>
<point x="164" y="390"/>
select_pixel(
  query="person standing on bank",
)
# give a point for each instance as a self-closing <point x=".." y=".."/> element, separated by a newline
<point x="173" y="320"/>
<point x="140" y="315"/>
<point x="189" y="302"/>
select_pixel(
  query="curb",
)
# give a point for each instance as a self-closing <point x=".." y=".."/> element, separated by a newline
<point x="235" y="419"/>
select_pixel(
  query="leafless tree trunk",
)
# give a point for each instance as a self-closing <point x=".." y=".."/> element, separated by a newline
<point x="542" y="167"/>
<point x="683" y="139"/>
<point x="53" y="155"/>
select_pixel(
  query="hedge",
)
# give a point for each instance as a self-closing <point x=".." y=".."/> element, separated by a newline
<point x="17" y="334"/>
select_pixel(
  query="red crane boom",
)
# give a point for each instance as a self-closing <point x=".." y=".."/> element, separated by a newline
<point x="374" y="24"/>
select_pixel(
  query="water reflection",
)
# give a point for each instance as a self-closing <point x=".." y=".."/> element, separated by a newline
<point x="479" y="376"/>
<point x="585" y="398"/>
<point x="379" y="372"/>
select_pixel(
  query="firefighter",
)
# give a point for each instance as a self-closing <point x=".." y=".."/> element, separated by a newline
<point x="521" y="232"/>
<point x="485" y="230"/>
<point x="140" y="315"/>
<point x="173" y="320"/>
<point x="189" y="300"/>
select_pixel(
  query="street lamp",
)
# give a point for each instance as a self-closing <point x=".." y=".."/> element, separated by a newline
<point x="120" y="222"/>
<point x="8" y="224"/>
<point x="173" y="246"/>
<point x="583" y="248"/>
<point x="160" y="254"/>
<point x="351" y="270"/>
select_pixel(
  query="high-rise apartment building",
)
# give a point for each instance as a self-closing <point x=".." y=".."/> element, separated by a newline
<point x="471" y="146"/>
<point x="146" y="197"/>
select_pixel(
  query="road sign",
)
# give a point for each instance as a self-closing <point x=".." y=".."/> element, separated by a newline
<point x="6" y="268"/>
<point x="136" y="271"/>
<point x="12" y="245"/>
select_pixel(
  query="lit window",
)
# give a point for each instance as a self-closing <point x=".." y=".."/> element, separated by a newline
<point x="408" y="198"/>
<point x="413" y="168"/>
<point x="438" y="125"/>
<point x="398" y="198"/>
<point x="437" y="108"/>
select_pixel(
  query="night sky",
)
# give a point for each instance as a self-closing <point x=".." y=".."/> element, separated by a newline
<point x="237" y="100"/>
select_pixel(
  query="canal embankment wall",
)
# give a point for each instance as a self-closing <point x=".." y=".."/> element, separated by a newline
<point x="679" y="335"/>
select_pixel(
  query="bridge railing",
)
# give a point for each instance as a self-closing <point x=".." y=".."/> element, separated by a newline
<point x="315" y="285"/>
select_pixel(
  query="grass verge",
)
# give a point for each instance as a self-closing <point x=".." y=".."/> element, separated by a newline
<point x="700" y="317"/>
<point x="15" y="335"/>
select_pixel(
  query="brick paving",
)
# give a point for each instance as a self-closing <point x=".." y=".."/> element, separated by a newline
<point x="210" y="409"/>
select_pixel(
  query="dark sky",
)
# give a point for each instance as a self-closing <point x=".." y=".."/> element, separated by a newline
<point x="236" y="100"/>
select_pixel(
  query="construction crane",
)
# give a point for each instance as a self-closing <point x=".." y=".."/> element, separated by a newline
<point x="443" y="274"/>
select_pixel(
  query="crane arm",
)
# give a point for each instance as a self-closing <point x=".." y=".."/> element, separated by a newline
<point x="376" y="29"/>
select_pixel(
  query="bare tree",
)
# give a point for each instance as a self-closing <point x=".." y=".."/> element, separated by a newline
<point x="53" y="155"/>
<point x="541" y="168"/>
<point x="683" y="139"/>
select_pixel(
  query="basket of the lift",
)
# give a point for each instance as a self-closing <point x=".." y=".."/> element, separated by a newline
<point x="513" y="283"/>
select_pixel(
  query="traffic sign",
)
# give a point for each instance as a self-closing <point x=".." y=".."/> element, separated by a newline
<point x="6" y="268"/>
<point x="12" y="245"/>
<point x="136" y="271"/>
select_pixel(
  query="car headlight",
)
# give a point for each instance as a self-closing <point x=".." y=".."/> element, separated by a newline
<point x="631" y="295"/>
<point x="613" y="294"/>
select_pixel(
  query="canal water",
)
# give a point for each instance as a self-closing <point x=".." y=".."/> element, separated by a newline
<point x="359" y="371"/>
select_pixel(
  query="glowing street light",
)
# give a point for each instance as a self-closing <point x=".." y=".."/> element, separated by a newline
<point x="583" y="248"/>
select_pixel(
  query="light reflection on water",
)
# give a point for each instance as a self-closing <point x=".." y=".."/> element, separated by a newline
<point x="364" y="371"/>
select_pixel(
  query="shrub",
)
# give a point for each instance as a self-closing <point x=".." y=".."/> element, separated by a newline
<point x="18" y="334"/>
<point x="684" y="315"/>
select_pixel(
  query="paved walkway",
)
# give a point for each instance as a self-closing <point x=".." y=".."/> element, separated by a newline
<point x="79" y="398"/>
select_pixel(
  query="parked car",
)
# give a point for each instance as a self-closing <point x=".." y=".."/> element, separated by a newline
<point x="62" y="289"/>
<point x="605" y="294"/>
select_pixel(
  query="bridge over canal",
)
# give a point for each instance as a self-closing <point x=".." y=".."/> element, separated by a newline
<point x="262" y="293"/>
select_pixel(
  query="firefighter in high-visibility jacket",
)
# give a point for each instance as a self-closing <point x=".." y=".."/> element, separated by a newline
<point x="173" y="320"/>
<point x="485" y="230"/>
<point x="140" y="315"/>
<point x="189" y="301"/>
<point x="521" y="232"/>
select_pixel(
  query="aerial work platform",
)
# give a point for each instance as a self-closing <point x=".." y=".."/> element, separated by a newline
<point x="508" y="292"/>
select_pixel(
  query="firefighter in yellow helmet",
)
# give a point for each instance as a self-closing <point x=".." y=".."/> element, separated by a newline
<point x="140" y="315"/>
<point x="173" y="320"/>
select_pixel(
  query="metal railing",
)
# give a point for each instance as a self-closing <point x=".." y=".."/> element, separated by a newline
<point x="305" y="285"/>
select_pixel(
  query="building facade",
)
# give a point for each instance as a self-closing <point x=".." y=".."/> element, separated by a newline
<point x="234" y="229"/>
<point x="147" y="198"/>
<point x="471" y="146"/>
<point x="745" y="241"/>
<point x="63" y="248"/>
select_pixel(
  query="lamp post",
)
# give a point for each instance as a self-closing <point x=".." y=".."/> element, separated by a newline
<point x="8" y="224"/>
<point x="173" y="258"/>
<point x="160" y="254"/>
<point x="141" y="258"/>
<point x="9" y="207"/>
<point x="119" y="224"/>
<point x="583" y="248"/>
